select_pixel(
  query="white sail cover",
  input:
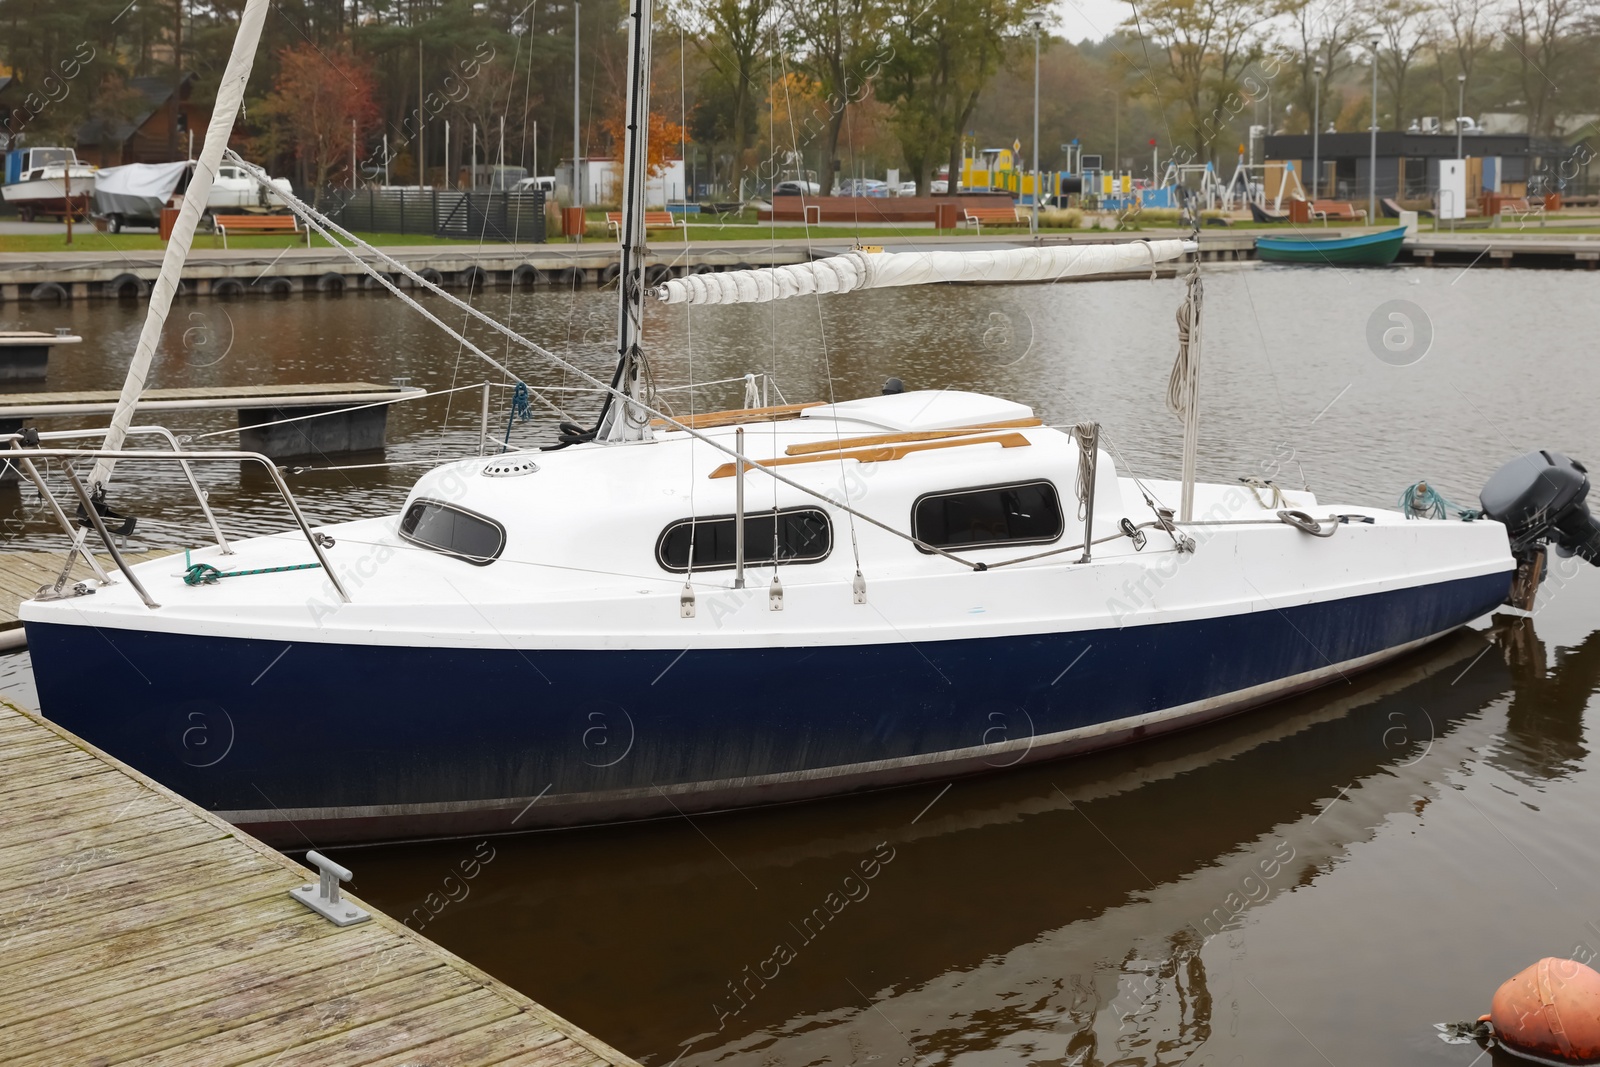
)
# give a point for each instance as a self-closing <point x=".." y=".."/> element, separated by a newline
<point x="880" y="270"/>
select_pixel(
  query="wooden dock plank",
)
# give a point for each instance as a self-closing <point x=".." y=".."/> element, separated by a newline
<point x="363" y="1044"/>
<point x="70" y="1035"/>
<point x="493" y="1043"/>
<point x="294" y="1014"/>
<point x="137" y="927"/>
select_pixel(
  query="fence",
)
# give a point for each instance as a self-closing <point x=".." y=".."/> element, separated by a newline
<point x="516" y="216"/>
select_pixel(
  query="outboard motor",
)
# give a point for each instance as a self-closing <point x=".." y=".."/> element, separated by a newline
<point x="1540" y="499"/>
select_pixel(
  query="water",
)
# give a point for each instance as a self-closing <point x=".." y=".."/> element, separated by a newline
<point x="1319" y="881"/>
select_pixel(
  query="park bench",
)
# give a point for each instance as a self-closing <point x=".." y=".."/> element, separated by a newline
<point x="265" y="224"/>
<point x="1337" y="211"/>
<point x="994" y="216"/>
<point x="653" y="220"/>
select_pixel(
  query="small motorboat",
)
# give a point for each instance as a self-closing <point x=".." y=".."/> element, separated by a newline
<point x="1364" y="250"/>
<point x="47" y="181"/>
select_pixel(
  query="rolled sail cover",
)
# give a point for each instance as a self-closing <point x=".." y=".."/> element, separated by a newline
<point x="881" y="270"/>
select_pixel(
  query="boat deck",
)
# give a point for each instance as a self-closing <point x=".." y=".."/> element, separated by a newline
<point x="137" y="928"/>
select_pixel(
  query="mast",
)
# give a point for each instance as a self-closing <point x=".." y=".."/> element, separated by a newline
<point x="230" y="95"/>
<point x="628" y="421"/>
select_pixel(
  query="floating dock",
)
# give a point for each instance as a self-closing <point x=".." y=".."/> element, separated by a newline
<point x="136" y="927"/>
<point x="353" y="416"/>
<point x="25" y="354"/>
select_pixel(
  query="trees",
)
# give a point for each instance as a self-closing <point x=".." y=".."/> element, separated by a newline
<point x="1545" y="36"/>
<point x="320" y="99"/>
<point x="1201" y="47"/>
<point x="1321" y="33"/>
<point x="938" y="61"/>
<point x="833" y="42"/>
<point x="1405" y="30"/>
<point x="732" y="36"/>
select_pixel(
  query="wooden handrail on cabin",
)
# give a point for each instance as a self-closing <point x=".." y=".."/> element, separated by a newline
<point x="709" y="419"/>
<point x="880" y="454"/>
<point x="840" y="444"/>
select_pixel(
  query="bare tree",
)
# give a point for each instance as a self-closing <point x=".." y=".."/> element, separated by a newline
<point x="1545" y="36"/>
<point x="1321" y="33"/>
<point x="1405" y="29"/>
<point x="1207" y="44"/>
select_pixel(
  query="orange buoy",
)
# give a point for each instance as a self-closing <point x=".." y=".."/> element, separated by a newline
<point x="1550" y="1013"/>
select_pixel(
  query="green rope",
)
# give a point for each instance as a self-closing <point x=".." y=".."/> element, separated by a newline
<point x="1423" y="501"/>
<point x="206" y="574"/>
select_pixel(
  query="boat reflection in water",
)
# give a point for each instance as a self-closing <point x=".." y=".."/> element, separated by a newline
<point x="1057" y="913"/>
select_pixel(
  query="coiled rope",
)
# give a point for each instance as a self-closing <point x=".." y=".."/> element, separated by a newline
<point x="1423" y="501"/>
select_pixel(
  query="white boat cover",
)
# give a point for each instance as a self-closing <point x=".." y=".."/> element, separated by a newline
<point x="880" y="270"/>
<point x="141" y="189"/>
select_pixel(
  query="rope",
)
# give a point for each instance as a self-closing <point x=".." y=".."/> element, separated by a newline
<point x="520" y="409"/>
<point x="206" y="574"/>
<point x="1423" y="501"/>
<point x="1087" y="435"/>
<point x="1255" y="485"/>
<point x="1177" y="399"/>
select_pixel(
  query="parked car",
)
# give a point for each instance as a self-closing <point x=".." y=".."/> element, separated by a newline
<point x="795" y="188"/>
<point x="528" y="185"/>
<point x="938" y="187"/>
<point x="862" y="187"/>
<point x="906" y="189"/>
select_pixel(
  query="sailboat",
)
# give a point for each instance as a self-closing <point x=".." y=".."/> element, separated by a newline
<point x="658" y="616"/>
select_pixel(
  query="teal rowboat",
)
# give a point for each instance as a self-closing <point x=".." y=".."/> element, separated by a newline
<point x="1369" y="249"/>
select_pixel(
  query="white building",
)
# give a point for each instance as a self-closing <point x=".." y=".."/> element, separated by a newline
<point x="602" y="183"/>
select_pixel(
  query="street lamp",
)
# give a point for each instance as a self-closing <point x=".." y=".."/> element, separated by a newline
<point x="1316" y="131"/>
<point x="1036" y="129"/>
<point x="1372" y="162"/>
<point x="1461" y="108"/>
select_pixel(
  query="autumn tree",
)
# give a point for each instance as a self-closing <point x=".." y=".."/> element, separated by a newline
<point x="733" y="36"/>
<point x="661" y="140"/>
<point x="938" y="60"/>
<point x="1405" y="30"/>
<point x="320" y="99"/>
<point x="836" y="44"/>
<point x="1199" y="50"/>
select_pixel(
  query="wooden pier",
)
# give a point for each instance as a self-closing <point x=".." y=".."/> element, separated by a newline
<point x="137" y="928"/>
<point x="353" y="416"/>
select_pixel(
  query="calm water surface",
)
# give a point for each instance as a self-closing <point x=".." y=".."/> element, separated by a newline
<point x="1316" y="882"/>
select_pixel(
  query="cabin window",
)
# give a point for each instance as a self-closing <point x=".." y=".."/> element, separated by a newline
<point x="453" y="531"/>
<point x="1021" y="514"/>
<point x="804" y="535"/>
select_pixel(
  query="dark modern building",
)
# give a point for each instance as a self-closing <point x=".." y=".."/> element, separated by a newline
<point x="1408" y="163"/>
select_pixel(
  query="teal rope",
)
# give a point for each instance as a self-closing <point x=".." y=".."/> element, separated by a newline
<point x="1423" y="501"/>
<point x="206" y="574"/>
<point x="520" y="409"/>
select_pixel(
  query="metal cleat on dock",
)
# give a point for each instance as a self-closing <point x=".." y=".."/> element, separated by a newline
<point x="324" y="899"/>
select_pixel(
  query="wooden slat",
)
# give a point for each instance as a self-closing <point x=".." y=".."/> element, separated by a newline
<point x="879" y="455"/>
<point x="67" y="1036"/>
<point x="363" y="1044"/>
<point x="494" y="1043"/>
<point x="708" y="419"/>
<point x="905" y="438"/>
<point x="291" y="1013"/>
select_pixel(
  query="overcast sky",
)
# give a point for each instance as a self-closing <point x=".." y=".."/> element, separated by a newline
<point x="1077" y="19"/>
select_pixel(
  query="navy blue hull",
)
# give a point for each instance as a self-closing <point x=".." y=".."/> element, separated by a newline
<point x="363" y="742"/>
